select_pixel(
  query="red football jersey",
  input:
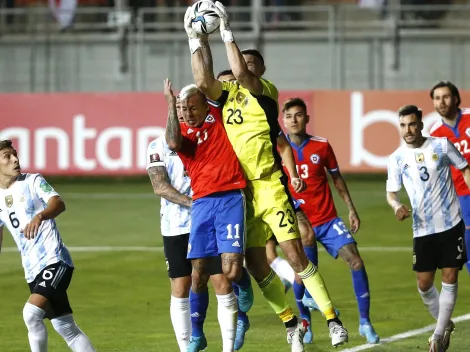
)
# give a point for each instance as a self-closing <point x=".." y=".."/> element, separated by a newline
<point x="460" y="136"/>
<point x="312" y="159"/>
<point x="208" y="157"/>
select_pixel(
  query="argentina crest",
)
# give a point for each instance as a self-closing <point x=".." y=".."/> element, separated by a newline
<point x="9" y="201"/>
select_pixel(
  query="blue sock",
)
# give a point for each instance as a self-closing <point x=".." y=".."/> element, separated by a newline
<point x="241" y="315"/>
<point x="361" y="289"/>
<point x="245" y="280"/>
<point x="467" y="245"/>
<point x="299" y="290"/>
<point x="312" y="254"/>
<point x="198" y="303"/>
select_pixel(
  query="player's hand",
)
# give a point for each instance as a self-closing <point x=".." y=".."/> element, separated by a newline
<point x="298" y="184"/>
<point x="168" y="92"/>
<point x="188" y="19"/>
<point x="402" y="213"/>
<point x="225" y="31"/>
<point x="354" y="222"/>
<point x="30" y="231"/>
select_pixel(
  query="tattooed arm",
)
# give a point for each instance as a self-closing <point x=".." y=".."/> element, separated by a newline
<point x="163" y="188"/>
<point x="173" y="135"/>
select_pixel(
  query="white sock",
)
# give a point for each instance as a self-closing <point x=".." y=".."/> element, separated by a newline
<point x="283" y="269"/>
<point x="227" y="314"/>
<point x="37" y="332"/>
<point x="71" y="333"/>
<point x="431" y="300"/>
<point x="446" y="306"/>
<point x="181" y="320"/>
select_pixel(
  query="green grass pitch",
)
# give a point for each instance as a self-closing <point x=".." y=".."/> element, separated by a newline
<point x="121" y="298"/>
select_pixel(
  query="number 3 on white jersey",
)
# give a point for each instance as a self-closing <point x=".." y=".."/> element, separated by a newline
<point x="462" y="147"/>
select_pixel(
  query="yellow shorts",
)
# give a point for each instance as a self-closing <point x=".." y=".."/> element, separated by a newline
<point x="269" y="210"/>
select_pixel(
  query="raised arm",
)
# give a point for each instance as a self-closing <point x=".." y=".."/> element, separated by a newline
<point x="235" y="58"/>
<point x="173" y="135"/>
<point x="162" y="187"/>
<point x="288" y="159"/>
<point x="201" y="60"/>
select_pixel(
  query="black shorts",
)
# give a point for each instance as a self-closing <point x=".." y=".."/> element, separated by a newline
<point x="52" y="282"/>
<point x="176" y="250"/>
<point x="441" y="250"/>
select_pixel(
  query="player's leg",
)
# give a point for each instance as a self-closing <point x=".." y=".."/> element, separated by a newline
<point x="279" y="264"/>
<point x="243" y="323"/>
<point x="53" y="285"/>
<point x="465" y="206"/>
<point x="179" y="270"/>
<point x="230" y="230"/>
<point x="202" y="246"/>
<point x="350" y="254"/>
<point x="34" y="312"/>
<point x="256" y="262"/>
<point x="231" y="239"/>
<point x="283" y="222"/>
<point x="452" y="257"/>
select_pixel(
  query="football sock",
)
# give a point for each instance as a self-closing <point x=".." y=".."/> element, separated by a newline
<point x="198" y="302"/>
<point x="71" y="333"/>
<point x="431" y="300"/>
<point x="361" y="289"/>
<point x="446" y="306"/>
<point x="467" y="245"/>
<point x="299" y="290"/>
<point x="283" y="269"/>
<point x="37" y="332"/>
<point x="241" y="315"/>
<point x="227" y="313"/>
<point x="273" y="291"/>
<point x="314" y="283"/>
<point x="312" y="254"/>
<point x="181" y="320"/>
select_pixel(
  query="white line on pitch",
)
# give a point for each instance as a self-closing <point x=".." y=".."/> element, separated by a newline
<point x="160" y="249"/>
<point x="403" y="335"/>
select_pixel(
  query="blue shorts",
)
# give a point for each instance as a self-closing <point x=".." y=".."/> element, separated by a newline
<point x="217" y="225"/>
<point x="333" y="235"/>
<point x="297" y="203"/>
<point x="465" y="206"/>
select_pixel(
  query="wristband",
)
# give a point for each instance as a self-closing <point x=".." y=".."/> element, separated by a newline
<point x="194" y="44"/>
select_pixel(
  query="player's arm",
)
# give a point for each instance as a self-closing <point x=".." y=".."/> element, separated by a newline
<point x="55" y="206"/>
<point x="1" y="236"/>
<point x="458" y="161"/>
<point x="394" y="183"/>
<point x="173" y="135"/>
<point x="287" y="155"/>
<point x="340" y="184"/>
<point x="162" y="187"/>
<point x="201" y="60"/>
<point x="235" y="58"/>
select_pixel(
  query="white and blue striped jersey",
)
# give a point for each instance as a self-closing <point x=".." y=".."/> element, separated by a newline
<point x="175" y="219"/>
<point x="19" y="204"/>
<point x="425" y="173"/>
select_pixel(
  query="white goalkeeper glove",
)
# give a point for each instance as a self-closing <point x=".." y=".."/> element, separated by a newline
<point x="193" y="36"/>
<point x="225" y="31"/>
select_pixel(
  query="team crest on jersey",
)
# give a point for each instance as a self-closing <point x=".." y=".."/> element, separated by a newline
<point x="314" y="158"/>
<point x="435" y="157"/>
<point x="210" y="119"/>
<point x="467" y="132"/>
<point x="419" y="157"/>
<point x="9" y="201"/>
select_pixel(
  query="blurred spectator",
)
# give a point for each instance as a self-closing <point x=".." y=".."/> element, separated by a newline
<point x="8" y="4"/>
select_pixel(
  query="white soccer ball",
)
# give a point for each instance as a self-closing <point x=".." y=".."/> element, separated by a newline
<point x="206" y="20"/>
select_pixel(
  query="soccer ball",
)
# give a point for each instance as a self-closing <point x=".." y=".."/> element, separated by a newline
<point x="206" y="20"/>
